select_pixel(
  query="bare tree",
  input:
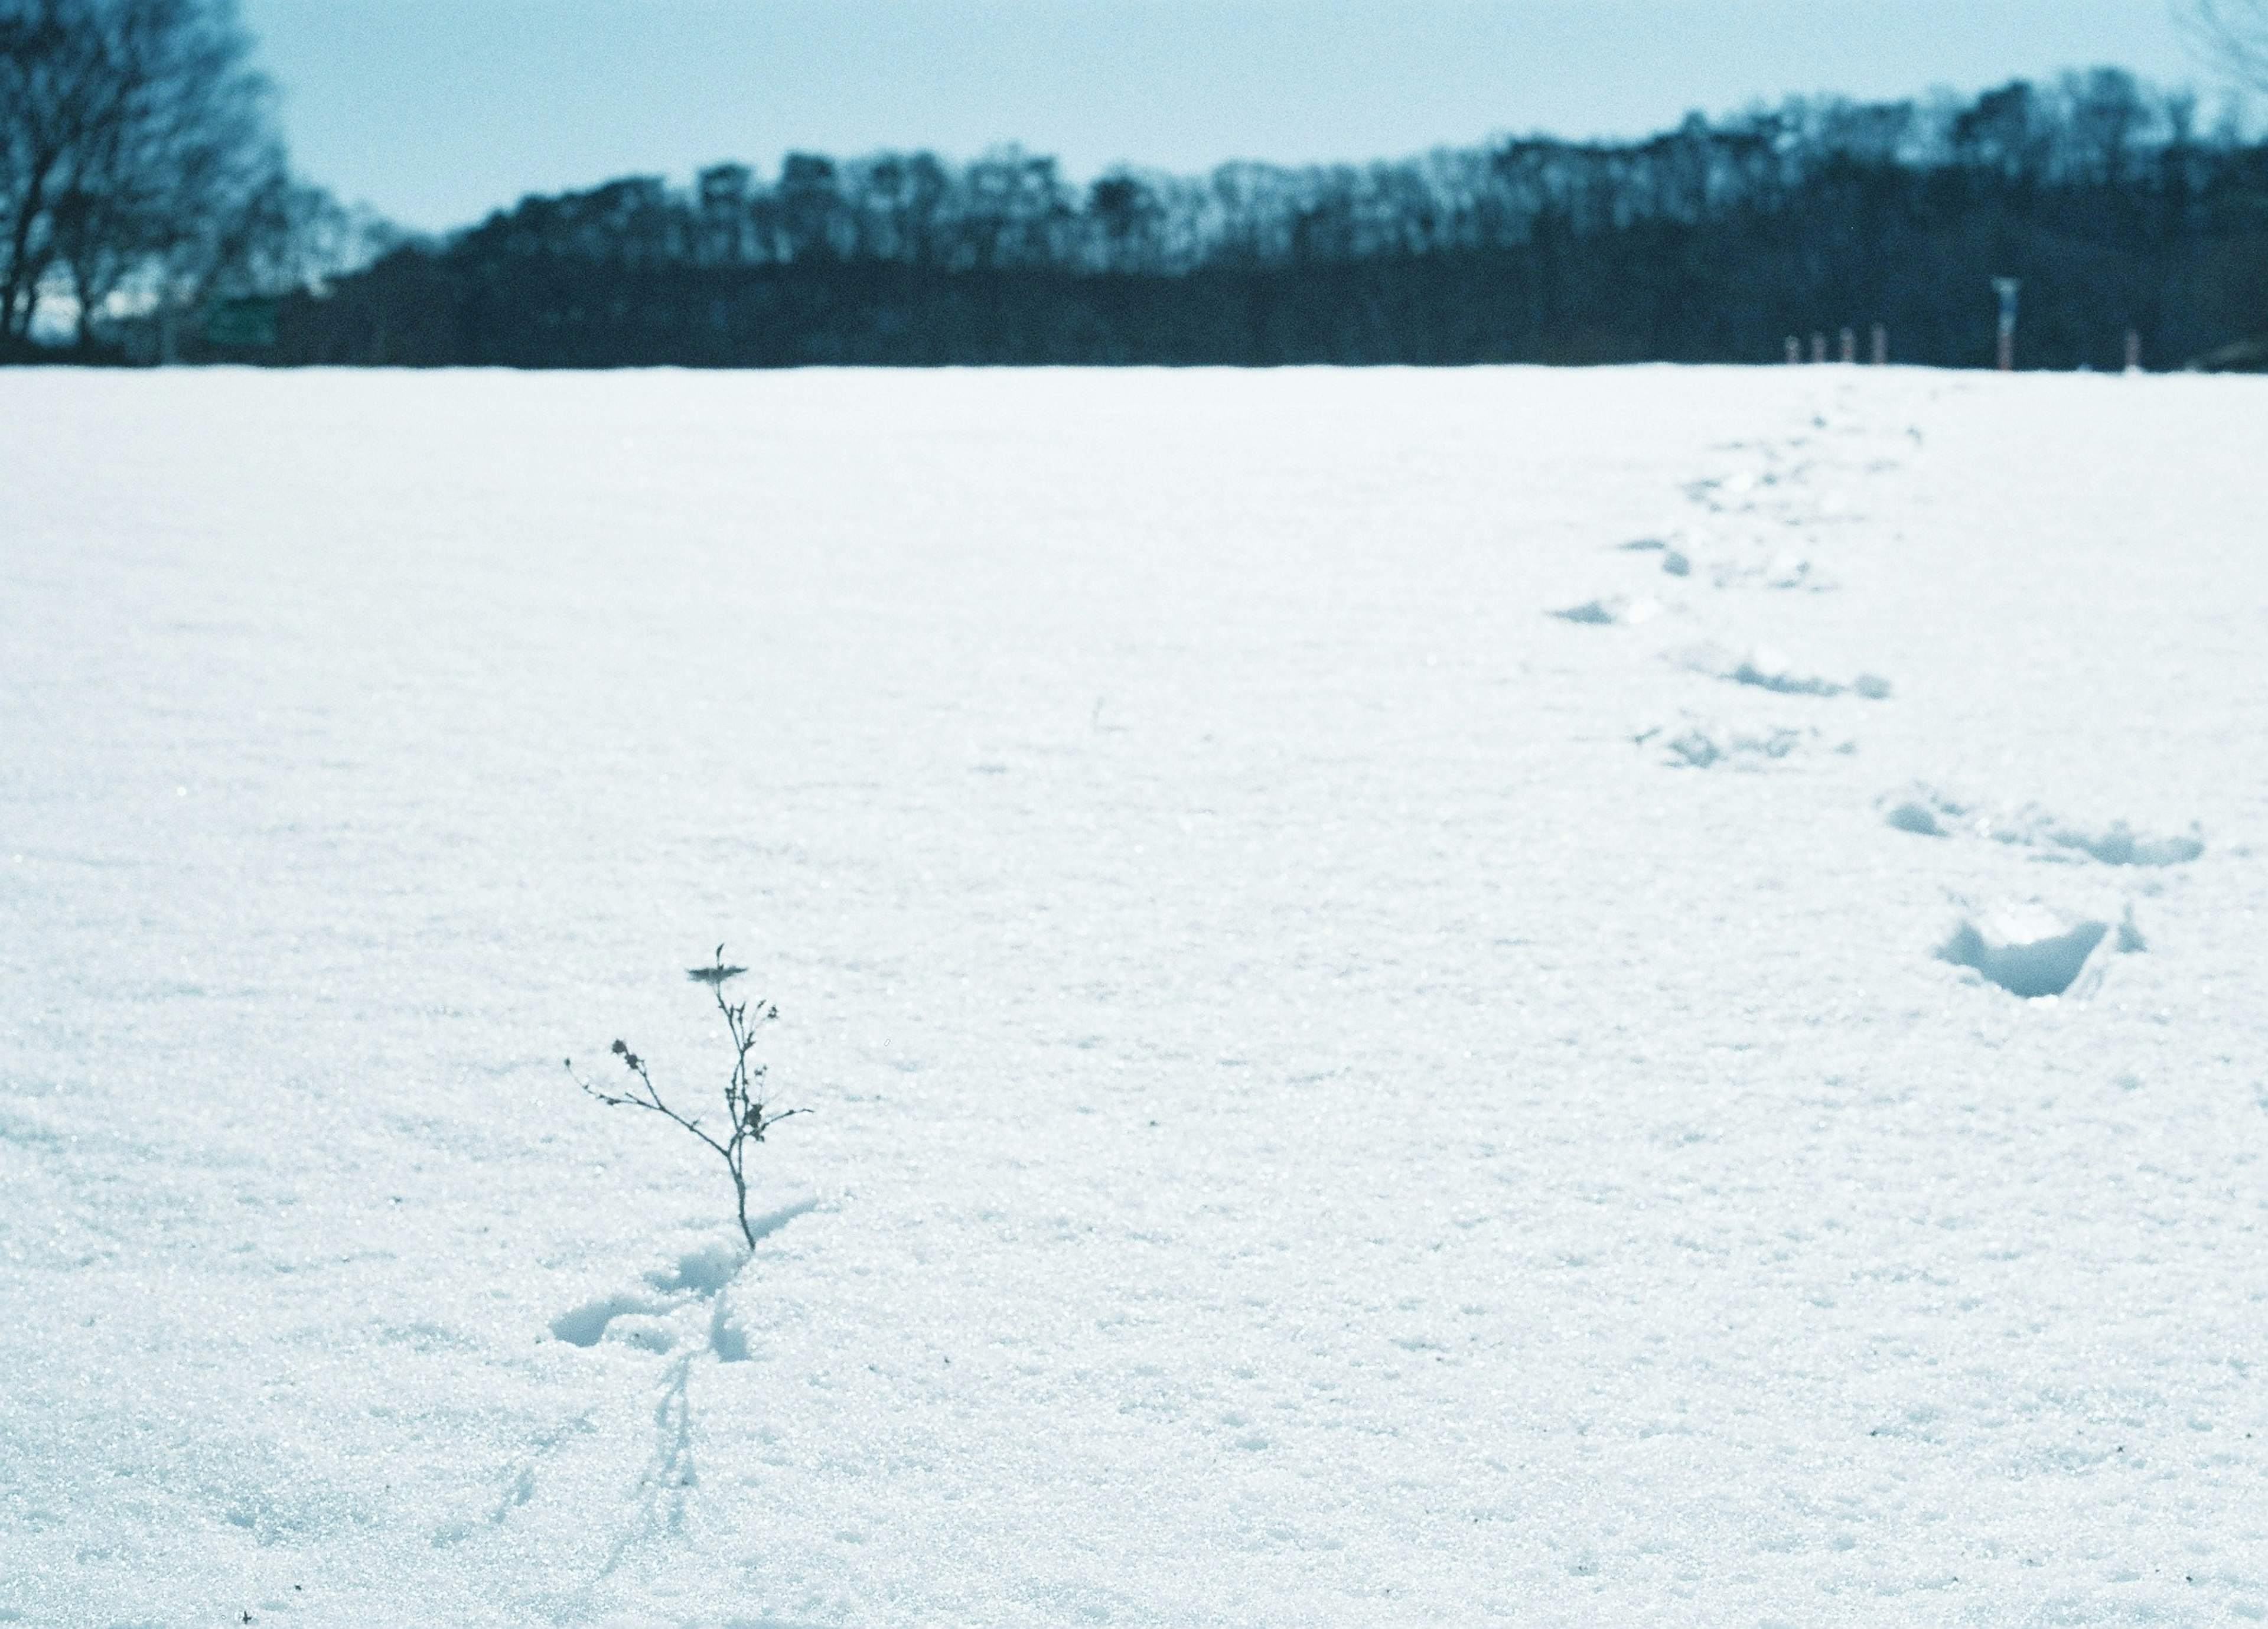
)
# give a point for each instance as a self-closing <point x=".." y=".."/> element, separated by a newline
<point x="50" y="103"/>
<point x="747" y="1119"/>
<point x="135" y="143"/>
<point x="2235" y="32"/>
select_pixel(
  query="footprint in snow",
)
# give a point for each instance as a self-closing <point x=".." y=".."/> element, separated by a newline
<point x="1782" y="569"/>
<point x="1612" y="611"/>
<point x="1677" y="550"/>
<point x="1926" y="811"/>
<point x="1767" y="669"/>
<point x="1704" y="744"/>
<point x="2033" y="952"/>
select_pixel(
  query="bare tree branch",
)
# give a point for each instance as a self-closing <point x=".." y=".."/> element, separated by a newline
<point x="139" y="153"/>
<point x="744" y="1106"/>
<point x="2232" y="33"/>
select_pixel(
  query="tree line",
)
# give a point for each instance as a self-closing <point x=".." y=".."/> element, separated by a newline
<point x="2118" y="207"/>
<point x="142" y="190"/>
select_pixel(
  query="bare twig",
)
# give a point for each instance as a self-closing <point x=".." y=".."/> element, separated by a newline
<point x="2235" y="32"/>
<point x="747" y="1116"/>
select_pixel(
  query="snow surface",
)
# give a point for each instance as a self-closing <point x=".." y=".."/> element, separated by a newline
<point x="1338" y="1096"/>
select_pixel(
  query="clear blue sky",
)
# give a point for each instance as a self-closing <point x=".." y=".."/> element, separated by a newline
<point x="437" y="111"/>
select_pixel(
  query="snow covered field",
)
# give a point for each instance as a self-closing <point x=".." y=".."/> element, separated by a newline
<point x="1339" y="1096"/>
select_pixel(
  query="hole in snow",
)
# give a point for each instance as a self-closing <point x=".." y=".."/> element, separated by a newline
<point x="1595" y="611"/>
<point x="2027" y="951"/>
<point x="1917" y="817"/>
<point x="726" y="1339"/>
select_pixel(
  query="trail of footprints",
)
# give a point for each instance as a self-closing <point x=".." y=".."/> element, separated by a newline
<point x="2031" y="947"/>
<point x="1756" y="529"/>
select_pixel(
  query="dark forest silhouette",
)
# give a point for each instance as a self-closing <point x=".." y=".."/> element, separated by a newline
<point x="144" y="189"/>
<point x="1713" y="242"/>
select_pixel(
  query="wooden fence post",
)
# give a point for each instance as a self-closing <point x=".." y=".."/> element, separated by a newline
<point x="2005" y="288"/>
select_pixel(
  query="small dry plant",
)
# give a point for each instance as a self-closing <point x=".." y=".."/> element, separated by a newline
<point x="745" y="1113"/>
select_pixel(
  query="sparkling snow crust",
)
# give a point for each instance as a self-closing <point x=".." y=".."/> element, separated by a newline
<point x="1342" y="1093"/>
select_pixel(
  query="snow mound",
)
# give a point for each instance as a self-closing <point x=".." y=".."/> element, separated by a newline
<point x="2033" y="952"/>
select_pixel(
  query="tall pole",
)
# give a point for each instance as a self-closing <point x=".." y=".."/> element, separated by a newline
<point x="2005" y="288"/>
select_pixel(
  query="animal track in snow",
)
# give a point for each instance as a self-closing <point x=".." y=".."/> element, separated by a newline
<point x="1928" y="813"/>
<point x="1766" y="669"/>
<point x="664" y="1315"/>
